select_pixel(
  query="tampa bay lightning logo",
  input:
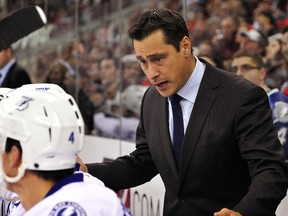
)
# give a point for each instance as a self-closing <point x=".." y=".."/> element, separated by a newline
<point x="23" y="103"/>
<point x="67" y="209"/>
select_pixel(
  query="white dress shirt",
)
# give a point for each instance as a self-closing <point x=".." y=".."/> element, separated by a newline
<point x="188" y="92"/>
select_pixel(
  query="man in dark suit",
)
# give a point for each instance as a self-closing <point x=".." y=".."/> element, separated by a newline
<point x="11" y="74"/>
<point x="231" y="162"/>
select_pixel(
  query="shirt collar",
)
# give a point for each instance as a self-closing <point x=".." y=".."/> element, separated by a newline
<point x="6" y="68"/>
<point x="190" y="89"/>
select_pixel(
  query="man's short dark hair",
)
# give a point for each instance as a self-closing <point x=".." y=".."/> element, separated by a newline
<point x="254" y="55"/>
<point x="169" y="22"/>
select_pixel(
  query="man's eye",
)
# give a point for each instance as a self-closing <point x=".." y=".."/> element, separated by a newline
<point x="157" y="59"/>
<point x="140" y="60"/>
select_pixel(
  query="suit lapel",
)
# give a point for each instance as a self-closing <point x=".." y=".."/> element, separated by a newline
<point x="167" y="144"/>
<point x="8" y="76"/>
<point x="205" y="99"/>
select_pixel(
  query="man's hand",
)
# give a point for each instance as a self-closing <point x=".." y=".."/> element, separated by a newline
<point x="83" y="166"/>
<point x="227" y="212"/>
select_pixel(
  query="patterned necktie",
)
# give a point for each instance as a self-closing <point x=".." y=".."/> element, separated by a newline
<point x="178" y="132"/>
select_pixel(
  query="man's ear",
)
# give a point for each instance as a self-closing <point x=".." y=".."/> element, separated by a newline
<point x="14" y="158"/>
<point x="186" y="46"/>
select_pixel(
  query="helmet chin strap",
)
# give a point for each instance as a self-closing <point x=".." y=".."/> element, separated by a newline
<point x="5" y="178"/>
<point x="7" y="196"/>
<point x="20" y="174"/>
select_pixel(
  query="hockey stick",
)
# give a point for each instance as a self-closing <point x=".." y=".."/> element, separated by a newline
<point x="20" y="24"/>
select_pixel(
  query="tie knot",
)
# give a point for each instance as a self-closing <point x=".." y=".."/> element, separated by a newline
<point x="175" y="99"/>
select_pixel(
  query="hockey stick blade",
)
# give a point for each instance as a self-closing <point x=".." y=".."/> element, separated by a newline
<point x="20" y="24"/>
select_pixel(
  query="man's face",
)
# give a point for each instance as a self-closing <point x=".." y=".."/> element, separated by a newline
<point x="167" y="69"/>
<point x="228" y="28"/>
<point x="245" y="67"/>
<point x="132" y="72"/>
<point x="108" y="70"/>
<point x="273" y="48"/>
<point x="246" y="44"/>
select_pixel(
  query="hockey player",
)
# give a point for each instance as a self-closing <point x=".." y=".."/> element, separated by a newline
<point x="41" y="133"/>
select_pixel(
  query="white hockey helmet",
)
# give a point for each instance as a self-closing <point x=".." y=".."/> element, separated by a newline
<point x="37" y="87"/>
<point x="4" y="92"/>
<point x="132" y="97"/>
<point x="46" y="122"/>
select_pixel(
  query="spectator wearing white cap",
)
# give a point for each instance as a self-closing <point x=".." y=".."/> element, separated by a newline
<point x="252" y="40"/>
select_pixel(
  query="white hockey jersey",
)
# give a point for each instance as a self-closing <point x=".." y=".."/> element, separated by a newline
<point x="7" y="206"/>
<point x="78" y="195"/>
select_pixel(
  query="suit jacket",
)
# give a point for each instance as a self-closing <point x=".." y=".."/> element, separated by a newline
<point x="231" y="156"/>
<point x="16" y="77"/>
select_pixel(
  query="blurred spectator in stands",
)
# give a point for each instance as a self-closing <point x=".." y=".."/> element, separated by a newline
<point x="266" y="22"/>
<point x="71" y="55"/>
<point x="86" y="106"/>
<point x="197" y="25"/>
<point x="278" y="9"/>
<point x="59" y="74"/>
<point x="56" y="74"/>
<point x="217" y="8"/>
<point x="199" y="31"/>
<point x="205" y="50"/>
<point x="213" y="60"/>
<point x="131" y="71"/>
<point x="109" y="76"/>
<point x="39" y="69"/>
<point x="94" y="71"/>
<point x="205" y="47"/>
<point x="12" y="75"/>
<point x="212" y="25"/>
<point x="224" y="40"/>
<point x="96" y="94"/>
<point x="40" y="64"/>
<point x="121" y="117"/>
<point x="131" y="102"/>
<point x="285" y="43"/>
<point x="252" y="40"/>
<point x="249" y="64"/>
<point x="106" y="122"/>
<point x="276" y="63"/>
<point x="98" y="52"/>
<point x="244" y="25"/>
<point x="70" y="84"/>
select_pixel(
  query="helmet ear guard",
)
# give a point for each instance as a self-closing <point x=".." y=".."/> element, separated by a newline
<point x="47" y="123"/>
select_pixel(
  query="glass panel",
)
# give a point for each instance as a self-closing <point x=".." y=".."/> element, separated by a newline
<point x="85" y="42"/>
